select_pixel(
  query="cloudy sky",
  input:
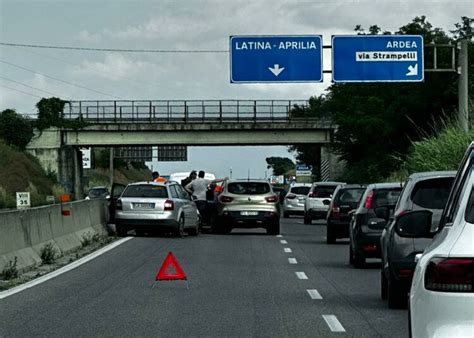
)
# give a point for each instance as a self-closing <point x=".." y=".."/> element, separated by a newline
<point x="27" y="74"/>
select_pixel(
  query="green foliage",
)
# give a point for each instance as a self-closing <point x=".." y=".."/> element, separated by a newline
<point x="50" y="112"/>
<point x="280" y="165"/>
<point x="14" y="129"/>
<point x="89" y="238"/>
<point x="10" y="271"/>
<point x="48" y="254"/>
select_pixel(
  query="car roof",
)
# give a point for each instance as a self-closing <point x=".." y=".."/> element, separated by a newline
<point x="300" y="185"/>
<point x="101" y="187"/>
<point x="385" y="185"/>
<point x="248" y="180"/>
<point x="327" y="183"/>
<point x="353" y="186"/>
<point x="432" y="174"/>
<point x="153" y="183"/>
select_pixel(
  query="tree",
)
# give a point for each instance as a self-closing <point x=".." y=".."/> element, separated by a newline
<point x="50" y="112"/>
<point x="280" y="165"/>
<point x="15" y="130"/>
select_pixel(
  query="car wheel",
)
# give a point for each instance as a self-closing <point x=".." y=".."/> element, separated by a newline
<point x="383" y="285"/>
<point x="359" y="260"/>
<point x="396" y="294"/>
<point x="307" y="219"/>
<point x="120" y="230"/>
<point x="180" y="230"/>
<point x="330" y="238"/>
<point x="286" y="215"/>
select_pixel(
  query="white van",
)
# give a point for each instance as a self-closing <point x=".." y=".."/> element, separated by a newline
<point x="178" y="177"/>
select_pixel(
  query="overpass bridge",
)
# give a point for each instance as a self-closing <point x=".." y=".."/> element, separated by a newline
<point x="172" y="122"/>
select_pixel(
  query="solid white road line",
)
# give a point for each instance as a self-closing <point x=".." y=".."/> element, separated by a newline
<point x="283" y="241"/>
<point x="66" y="268"/>
<point x="301" y="275"/>
<point x="279" y="236"/>
<point x="314" y="294"/>
<point x="287" y="249"/>
<point x="333" y="323"/>
<point x="292" y="261"/>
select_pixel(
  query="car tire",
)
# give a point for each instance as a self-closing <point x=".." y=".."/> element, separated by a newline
<point x="330" y="238"/>
<point x="359" y="260"/>
<point x="180" y="230"/>
<point x="194" y="231"/>
<point x="383" y="285"/>
<point x="396" y="294"/>
<point x="307" y="219"/>
<point x="120" y="230"/>
<point x="286" y="215"/>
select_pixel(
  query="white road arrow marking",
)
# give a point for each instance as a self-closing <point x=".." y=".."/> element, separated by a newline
<point x="276" y="70"/>
<point x="412" y="71"/>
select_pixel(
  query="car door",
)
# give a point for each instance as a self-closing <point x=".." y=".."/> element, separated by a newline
<point x="189" y="207"/>
<point x="117" y="190"/>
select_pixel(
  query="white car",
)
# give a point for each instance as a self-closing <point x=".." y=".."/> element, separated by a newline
<point x="294" y="199"/>
<point x="316" y="205"/>
<point x="178" y="177"/>
<point x="442" y="292"/>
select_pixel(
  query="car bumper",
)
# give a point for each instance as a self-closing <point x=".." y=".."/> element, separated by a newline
<point x="338" y="229"/>
<point x="293" y="209"/>
<point x="158" y="221"/>
<point x="316" y="213"/>
<point x="368" y="245"/>
<point x="236" y="219"/>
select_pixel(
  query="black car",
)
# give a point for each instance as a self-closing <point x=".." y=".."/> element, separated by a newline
<point x="368" y="221"/>
<point x="346" y="199"/>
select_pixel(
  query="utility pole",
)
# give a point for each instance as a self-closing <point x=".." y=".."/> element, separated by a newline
<point x="463" y="94"/>
<point x="111" y="166"/>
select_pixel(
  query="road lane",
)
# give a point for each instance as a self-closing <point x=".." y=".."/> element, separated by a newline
<point x="241" y="284"/>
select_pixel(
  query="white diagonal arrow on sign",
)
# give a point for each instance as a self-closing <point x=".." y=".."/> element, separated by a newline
<point x="276" y="70"/>
<point x="412" y="71"/>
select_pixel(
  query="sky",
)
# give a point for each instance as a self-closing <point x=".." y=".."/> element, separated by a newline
<point x="27" y="74"/>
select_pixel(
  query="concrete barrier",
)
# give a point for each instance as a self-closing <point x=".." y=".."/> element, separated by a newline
<point x="23" y="233"/>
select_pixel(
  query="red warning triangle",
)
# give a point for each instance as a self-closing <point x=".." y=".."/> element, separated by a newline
<point x="170" y="263"/>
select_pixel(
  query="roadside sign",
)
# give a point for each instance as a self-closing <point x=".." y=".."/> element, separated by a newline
<point x="280" y="58"/>
<point x="86" y="158"/>
<point x="304" y="170"/>
<point x="377" y="58"/>
<point x="50" y="199"/>
<point x="23" y="200"/>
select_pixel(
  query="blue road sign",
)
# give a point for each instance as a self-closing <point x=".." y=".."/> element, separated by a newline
<point x="377" y="58"/>
<point x="281" y="58"/>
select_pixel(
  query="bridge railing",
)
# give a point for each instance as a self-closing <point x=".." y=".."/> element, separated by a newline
<point x="179" y="111"/>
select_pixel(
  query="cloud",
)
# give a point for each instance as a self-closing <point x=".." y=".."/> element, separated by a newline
<point x="86" y="36"/>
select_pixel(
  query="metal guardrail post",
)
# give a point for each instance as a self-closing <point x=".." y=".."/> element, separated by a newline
<point x="115" y="111"/>
<point x="149" y="113"/>
<point x="185" y="112"/>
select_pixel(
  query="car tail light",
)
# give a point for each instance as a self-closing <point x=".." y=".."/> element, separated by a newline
<point x="369" y="200"/>
<point x="118" y="205"/>
<point x="450" y="275"/>
<point x="405" y="272"/>
<point x="335" y="209"/>
<point x="169" y="205"/>
<point x="313" y="194"/>
<point x="290" y="197"/>
<point x="370" y="247"/>
<point x="225" y="199"/>
<point x="271" y="199"/>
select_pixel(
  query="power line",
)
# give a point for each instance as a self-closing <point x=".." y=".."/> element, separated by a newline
<point x="114" y="49"/>
<point x="17" y="82"/>
<point x="56" y="79"/>
<point x="21" y="91"/>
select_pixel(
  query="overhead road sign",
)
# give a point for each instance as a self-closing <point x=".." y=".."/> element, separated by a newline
<point x="377" y="58"/>
<point x="280" y="58"/>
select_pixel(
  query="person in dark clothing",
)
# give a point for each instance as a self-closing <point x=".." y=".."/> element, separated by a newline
<point x="192" y="176"/>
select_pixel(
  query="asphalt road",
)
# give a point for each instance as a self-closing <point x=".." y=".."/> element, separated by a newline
<point x="241" y="284"/>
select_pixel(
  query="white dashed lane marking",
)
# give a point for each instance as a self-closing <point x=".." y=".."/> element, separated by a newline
<point x="287" y="250"/>
<point x="283" y="241"/>
<point x="314" y="294"/>
<point x="279" y="236"/>
<point x="333" y="323"/>
<point x="292" y="261"/>
<point x="301" y="275"/>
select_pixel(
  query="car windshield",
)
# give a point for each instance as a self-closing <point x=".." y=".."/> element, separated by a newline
<point x="433" y="193"/>
<point x="386" y="197"/>
<point x="324" y="190"/>
<point x="248" y="188"/>
<point x="145" y="190"/>
<point x="101" y="192"/>
<point x="351" y="195"/>
<point x="300" y="190"/>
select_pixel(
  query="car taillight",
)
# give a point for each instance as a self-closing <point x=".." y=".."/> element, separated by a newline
<point x="313" y="194"/>
<point x="290" y="197"/>
<point x="271" y="199"/>
<point x="169" y="205"/>
<point x="118" y="205"/>
<point x="335" y="208"/>
<point x="450" y="275"/>
<point x="369" y="200"/>
<point x="225" y="199"/>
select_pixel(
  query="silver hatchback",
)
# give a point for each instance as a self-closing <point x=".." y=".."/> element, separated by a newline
<point x="156" y="206"/>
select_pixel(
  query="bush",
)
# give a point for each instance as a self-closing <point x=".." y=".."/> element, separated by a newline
<point x="48" y="254"/>
<point x="10" y="271"/>
<point x="14" y="129"/>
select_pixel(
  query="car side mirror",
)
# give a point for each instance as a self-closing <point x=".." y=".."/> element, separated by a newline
<point x="415" y="224"/>
<point x="377" y="223"/>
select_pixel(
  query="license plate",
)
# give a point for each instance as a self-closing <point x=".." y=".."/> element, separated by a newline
<point x="249" y="213"/>
<point x="144" y="205"/>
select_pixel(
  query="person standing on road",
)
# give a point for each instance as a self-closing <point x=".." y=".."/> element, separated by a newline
<point x="157" y="178"/>
<point x="192" y="176"/>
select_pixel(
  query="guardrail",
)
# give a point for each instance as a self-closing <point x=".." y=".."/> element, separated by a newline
<point x="179" y="111"/>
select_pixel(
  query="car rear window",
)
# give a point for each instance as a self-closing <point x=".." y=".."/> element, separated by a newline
<point x="351" y="195"/>
<point x="98" y="193"/>
<point x="324" y="190"/>
<point x="300" y="190"/>
<point x="386" y="197"/>
<point x="248" y="188"/>
<point x="147" y="191"/>
<point x="432" y="194"/>
<point x="470" y="208"/>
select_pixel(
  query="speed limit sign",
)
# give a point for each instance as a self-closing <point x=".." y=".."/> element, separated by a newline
<point x="23" y="200"/>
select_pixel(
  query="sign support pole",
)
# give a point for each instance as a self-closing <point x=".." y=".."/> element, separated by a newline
<point x="463" y="95"/>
